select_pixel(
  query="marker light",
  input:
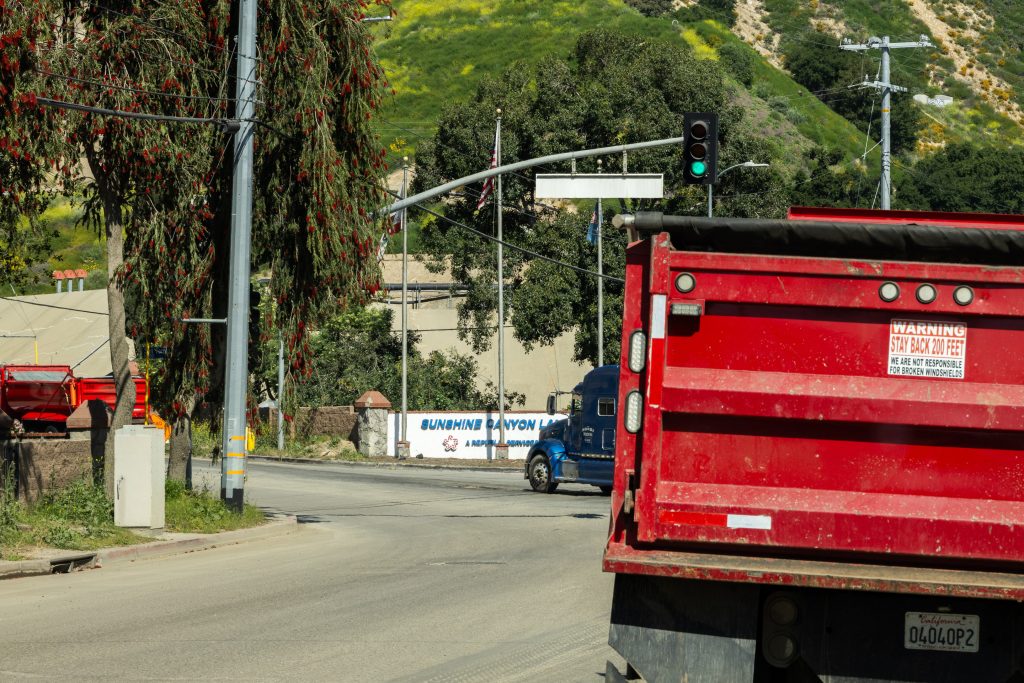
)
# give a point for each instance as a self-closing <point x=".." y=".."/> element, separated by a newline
<point x="889" y="291"/>
<point x="693" y="310"/>
<point x="926" y="293"/>
<point x="634" y="412"/>
<point x="637" y="351"/>
<point x="963" y="295"/>
<point x="685" y="283"/>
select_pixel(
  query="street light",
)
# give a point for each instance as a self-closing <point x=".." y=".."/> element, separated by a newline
<point x="745" y="164"/>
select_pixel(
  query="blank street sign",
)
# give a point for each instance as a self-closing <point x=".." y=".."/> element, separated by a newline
<point x="600" y="186"/>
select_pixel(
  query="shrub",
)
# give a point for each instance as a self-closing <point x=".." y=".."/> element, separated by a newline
<point x="738" y="61"/>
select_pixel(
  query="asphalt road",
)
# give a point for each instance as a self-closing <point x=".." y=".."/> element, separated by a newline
<point x="395" y="575"/>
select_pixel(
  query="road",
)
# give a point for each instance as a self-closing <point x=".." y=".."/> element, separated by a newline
<point x="395" y="575"/>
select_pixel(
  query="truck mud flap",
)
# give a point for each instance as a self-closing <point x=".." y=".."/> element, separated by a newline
<point x="675" y="630"/>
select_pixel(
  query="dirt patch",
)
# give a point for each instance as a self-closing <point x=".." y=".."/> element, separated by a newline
<point x="752" y="28"/>
<point x="967" y="69"/>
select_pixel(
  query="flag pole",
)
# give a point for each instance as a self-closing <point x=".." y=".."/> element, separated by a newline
<point x="501" y="450"/>
<point x="600" y="289"/>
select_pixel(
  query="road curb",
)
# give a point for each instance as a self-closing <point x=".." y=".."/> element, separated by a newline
<point x="144" y="551"/>
<point x="384" y="465"/>
<point x="14" y="569"/>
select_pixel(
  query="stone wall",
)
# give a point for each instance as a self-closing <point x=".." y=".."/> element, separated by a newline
<point x="47" y="464"/>
<point x="337" y="421"/>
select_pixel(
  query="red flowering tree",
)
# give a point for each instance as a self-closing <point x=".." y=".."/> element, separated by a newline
<point x="161" y="189"/>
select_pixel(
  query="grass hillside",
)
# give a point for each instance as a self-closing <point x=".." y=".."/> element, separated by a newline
<point x="436" y="51"/>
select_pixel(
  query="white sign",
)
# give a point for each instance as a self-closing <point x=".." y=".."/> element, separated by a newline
<point x="470" y="435"/>
<point x="599" y="186"/>
<point x="920" y="348"/>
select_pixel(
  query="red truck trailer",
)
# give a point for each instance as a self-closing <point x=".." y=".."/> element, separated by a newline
<point x="43" y="396"/>
<point x="820" y="467"/>
<point x="102" y="388"/>
<point x="40" y="396"/>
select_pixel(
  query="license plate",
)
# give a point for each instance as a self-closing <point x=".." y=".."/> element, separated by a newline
<point x="941" y="632"/>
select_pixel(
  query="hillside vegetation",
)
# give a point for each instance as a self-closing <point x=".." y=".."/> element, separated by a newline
<point x="436" y="52"/>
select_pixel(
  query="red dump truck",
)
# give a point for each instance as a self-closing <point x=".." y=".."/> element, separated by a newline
<point x="43" y="396"/>
<point x="820" y="466"/>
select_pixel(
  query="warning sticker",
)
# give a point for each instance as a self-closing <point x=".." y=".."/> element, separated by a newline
<point x="920" y="348"/>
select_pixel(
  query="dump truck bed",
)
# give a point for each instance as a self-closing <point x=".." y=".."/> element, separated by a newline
<point x="816" y="420"/>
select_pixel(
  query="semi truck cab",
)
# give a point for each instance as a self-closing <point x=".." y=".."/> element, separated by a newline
<point x="581" y="448"/>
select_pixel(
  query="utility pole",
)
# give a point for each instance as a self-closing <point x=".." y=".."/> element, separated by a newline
<point x="501" y="450"/>
<point x="600" y="282"/>
<point x="887" y="89"/>
<point x="232" y="469"/>
<point x="403" y="441"/>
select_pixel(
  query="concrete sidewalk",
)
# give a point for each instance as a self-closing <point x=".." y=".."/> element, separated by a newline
<point x="392" y="463"/>
<point x="63" y="561"/>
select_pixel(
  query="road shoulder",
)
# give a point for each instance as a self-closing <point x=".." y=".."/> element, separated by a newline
<point x="165" y="545"/>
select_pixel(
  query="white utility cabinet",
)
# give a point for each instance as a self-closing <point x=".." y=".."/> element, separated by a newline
<point x="139" y="477"/>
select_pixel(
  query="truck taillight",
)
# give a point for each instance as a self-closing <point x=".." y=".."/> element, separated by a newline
<point x="634" y="411"/>
<point x="637" y="351"/>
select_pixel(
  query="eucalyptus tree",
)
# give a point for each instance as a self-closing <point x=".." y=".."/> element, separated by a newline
<point x="159" y="189"/>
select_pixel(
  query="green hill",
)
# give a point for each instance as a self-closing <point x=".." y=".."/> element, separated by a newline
<point x="435" y="53"/>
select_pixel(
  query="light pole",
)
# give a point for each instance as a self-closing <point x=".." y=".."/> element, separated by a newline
<point x="745" y="164"/>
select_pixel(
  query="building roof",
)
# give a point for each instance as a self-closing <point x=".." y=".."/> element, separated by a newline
<point x="69" y="328"/>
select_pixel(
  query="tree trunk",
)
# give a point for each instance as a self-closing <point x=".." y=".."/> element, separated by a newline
<point x="181" y="443"/>
<point x="123" y="384"/>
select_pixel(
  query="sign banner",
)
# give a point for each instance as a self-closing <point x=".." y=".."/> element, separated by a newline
<point x="923" y="348"/>
<point x="469" y="435"/>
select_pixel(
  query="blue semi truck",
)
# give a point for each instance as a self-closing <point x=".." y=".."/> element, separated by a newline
<point x="581" y="448"/>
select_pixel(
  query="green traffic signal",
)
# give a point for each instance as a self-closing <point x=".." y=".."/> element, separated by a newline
<point x="698" y="168"/>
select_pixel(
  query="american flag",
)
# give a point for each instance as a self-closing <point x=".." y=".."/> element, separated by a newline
<point x="592" y="228"/>
<point x="489" y="183"/>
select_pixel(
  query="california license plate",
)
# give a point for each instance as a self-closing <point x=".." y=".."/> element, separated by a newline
<point x="942" y="632"/>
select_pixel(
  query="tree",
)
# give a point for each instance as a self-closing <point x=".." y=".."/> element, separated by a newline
<point x="964" y="177"/>
<point x="817" y="62"/>
<point x="651" y="8"/>
<point x="357" y="351"/>
<point x="738" y="60"/>
<point x="160" y="190"/>
<point x="616" y="88"/>
<point x="28" y="158"/>
<point x="825" y="183"/>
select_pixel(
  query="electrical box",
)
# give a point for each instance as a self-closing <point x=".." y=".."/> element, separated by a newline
<point x="139" y="477"/>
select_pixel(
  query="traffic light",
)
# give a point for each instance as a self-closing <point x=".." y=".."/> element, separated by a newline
<point x="700" y="148"/>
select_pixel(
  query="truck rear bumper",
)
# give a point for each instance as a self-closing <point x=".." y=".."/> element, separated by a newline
<point x="889" y="578"/>
<point x="683" y="630"/>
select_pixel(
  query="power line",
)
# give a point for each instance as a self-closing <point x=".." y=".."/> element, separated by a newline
<point x="523" y="250"/>
<point x="43" y="305"/>
<point x="142" y="91"/>
<point x="163" y="57"/>
<point x="171" y="32"/>
<point x="225" y="124"/>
